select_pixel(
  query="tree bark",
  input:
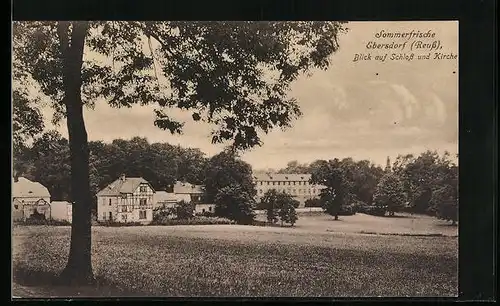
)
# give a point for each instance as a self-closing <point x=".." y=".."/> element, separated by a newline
<point x="78" y="270"/>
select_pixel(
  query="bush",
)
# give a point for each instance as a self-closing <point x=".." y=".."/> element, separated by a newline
<point x="312" y="203"/>
<point x="374" y="210"/>
<point x="118" y="224"/>
<point x="347" y="210"/>
<point x="205" y="214"/>
<point x="197" y="220"/>
<point x="51" y="222"/>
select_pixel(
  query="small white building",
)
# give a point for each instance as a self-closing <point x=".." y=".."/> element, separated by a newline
<point x="29" y="197"/>
<point x="61" y="211"/>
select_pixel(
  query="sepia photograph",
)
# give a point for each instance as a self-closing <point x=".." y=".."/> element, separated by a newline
<point x="234" y="159"/>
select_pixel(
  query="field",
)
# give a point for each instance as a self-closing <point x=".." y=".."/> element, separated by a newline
<point x="357" y="256"/>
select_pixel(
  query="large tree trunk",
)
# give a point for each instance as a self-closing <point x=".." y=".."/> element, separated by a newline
<point x="79" y="267"/>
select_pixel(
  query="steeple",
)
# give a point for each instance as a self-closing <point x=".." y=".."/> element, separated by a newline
<point x="388" y="167"/>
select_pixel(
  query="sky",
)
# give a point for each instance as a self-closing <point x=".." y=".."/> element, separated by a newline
<point x="364" y="109"/>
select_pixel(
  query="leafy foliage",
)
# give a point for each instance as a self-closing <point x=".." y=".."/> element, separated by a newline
<point x="184" y="210"/>
<point x="287" y="213"/>
<point x="234" y="202"/>
<point x="390" y="194"/>
<point x="226" y="169"/>
<point x="279" y="204"/>
<point x="338" y="181"/>
<point x="444" y="203"/>
<point x="233" y="74"/>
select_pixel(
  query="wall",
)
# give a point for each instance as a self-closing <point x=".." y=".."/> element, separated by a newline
<point x="200" y="207"/>
<point x="301" y="192"/>
<point x="61" y="211"/>
<point x="104" y="206"/>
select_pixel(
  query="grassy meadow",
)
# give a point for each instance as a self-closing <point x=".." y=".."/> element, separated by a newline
<point x="359" y="255"/>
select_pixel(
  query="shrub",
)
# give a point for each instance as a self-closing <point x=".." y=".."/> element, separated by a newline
<point x="205" y="214"/>
<point x="375" y="210"/>
<point x="312" y="203"/>
<point x="347" y="210"/>
<point x="118" y="224"/>
<point x="51" y="222"/>
<point x="197" y="220"/>
<point x="184" y="210"/>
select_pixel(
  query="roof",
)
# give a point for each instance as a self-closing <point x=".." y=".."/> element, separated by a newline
<point x="275" y="177"/>
<point x="123" y="185"/>
<point x="187" y="188"/>
<point x="163" y="196"/>
<point x="25" y="188"/>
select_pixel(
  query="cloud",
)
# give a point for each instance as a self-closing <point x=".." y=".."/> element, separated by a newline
<point x="349" y="109"/>
<point x="439" y="109"/>
<point x="408" y="99"/>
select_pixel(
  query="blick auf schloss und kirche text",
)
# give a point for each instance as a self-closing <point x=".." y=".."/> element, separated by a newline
<point x="404" y="46"/>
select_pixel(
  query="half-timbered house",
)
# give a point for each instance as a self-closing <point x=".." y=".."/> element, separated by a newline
<point x="127" y="199"/>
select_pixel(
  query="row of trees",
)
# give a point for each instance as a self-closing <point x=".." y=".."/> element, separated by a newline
<point x="424" y="184"/>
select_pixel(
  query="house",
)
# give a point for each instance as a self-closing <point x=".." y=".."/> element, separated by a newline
<point x="127" y="199"/>
<point x="168" y="199"/>
<point x="28" y="198"/>
<point x="297" y="185"/>
<point x="195" y="192"/>
<point x="61" y="211"/>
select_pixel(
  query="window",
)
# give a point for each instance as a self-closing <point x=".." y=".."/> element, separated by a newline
<point x="104" y="215"/>
<point x="210" y="208"/>
<point x="109" y="202"/>
<point x="143" y="189"/>
<point x="261" y="191"/>
<point x="16" y="206"/>
<point x="110" y="216"/>
<point x="142" y="214"/>
<point x="294" y="183"/>
<point x="203" y="210"/>
<point x="103" y="201"/>
<point x="295" y="191"/>
<point x="274" y="183"/>
<point x="142" y="202"/>
<point x="267" y="183"/>
<point x="124" y="217"/>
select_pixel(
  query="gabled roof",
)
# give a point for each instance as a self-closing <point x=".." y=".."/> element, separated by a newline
<point x="123" y="185"/>
<point x="25" y="188"/>
<point x="187" y="188"/>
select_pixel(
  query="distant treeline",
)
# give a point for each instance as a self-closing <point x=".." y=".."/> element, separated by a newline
<point x="47" y="161"/>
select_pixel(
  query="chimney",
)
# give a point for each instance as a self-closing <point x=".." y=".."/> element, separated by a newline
<point x="122" y="177"/>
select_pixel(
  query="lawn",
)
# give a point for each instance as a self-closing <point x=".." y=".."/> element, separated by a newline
<point x="318" y="257"/>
